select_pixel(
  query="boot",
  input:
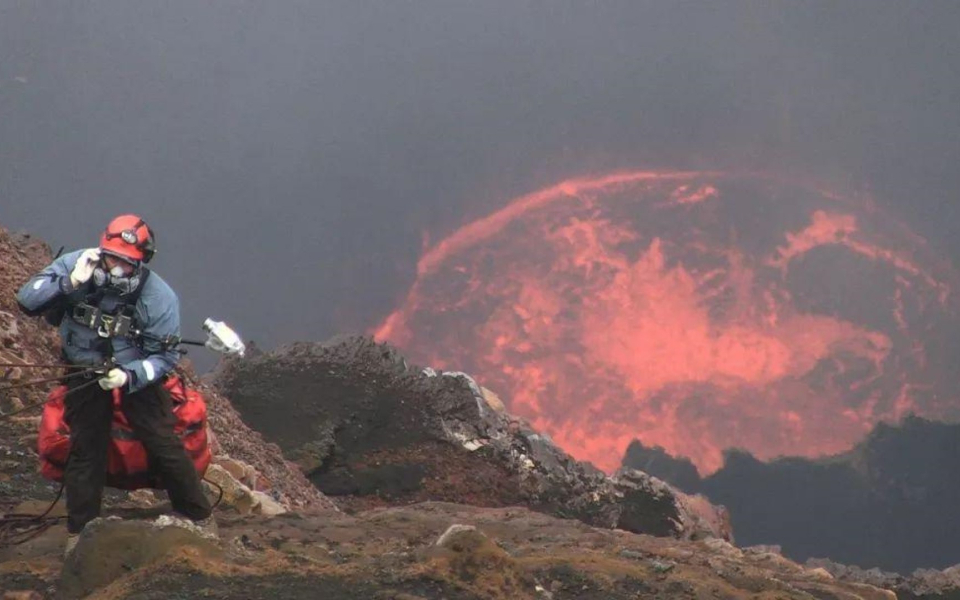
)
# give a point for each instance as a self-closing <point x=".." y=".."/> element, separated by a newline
<point x="208" y="527"/>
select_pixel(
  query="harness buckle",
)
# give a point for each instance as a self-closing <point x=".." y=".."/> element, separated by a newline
<point x="105" y="326"/>
<point x="87" y="315"/>
<point x="122" y="326"/>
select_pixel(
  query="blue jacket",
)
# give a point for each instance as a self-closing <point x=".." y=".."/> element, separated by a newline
<point x="157" y="315"/>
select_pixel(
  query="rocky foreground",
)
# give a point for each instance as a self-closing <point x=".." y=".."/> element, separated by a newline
<point x="428" y="550"/>
<point x="434" y="492"/>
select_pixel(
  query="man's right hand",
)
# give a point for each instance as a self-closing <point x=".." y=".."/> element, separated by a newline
<point x="83" y="270"/>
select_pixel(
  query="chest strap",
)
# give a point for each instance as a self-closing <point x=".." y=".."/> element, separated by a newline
<point x="111" y="325"/>
<point x="106" y="326"/>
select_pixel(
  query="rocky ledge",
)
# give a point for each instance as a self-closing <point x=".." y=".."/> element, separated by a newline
<point x="370" y="430"/>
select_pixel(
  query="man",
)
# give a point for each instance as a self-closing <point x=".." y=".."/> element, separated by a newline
<point x="117" y="314"/>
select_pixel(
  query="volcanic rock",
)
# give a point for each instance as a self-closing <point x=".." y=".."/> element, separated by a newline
<point x="371" y="430"/>
<point x="21" y="595"/>
<point x="921" y="583"/>
<point x="264" y="468"/>
<point x="677" y="471"/>
<point x="496" y="554"/>
<point x="887" y="503"/>
<point x="110" y="548"/>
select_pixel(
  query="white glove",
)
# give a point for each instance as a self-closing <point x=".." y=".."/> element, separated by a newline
<point x="113" y="379"/>
<point x="83" y="270"/>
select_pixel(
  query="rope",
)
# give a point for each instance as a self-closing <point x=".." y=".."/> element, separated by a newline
<point x="33" y="382"/>
<point x="36" y="365"/>
<point x="41" y="402"/>
<point x="17" y="528"/>
<point x="216" y="485"/>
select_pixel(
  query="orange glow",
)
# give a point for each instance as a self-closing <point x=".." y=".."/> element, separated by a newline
<point x="693" y="310"/>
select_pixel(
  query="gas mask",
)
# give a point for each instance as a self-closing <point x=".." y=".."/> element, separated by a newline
<point x="116" y="278"/>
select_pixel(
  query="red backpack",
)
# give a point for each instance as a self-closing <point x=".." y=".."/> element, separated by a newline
<point x="127" y="460"/>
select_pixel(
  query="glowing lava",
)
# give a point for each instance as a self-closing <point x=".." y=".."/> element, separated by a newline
<point x="695" y="311"/>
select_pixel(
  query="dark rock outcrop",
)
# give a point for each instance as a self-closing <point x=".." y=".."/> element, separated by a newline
<point x="371" y="430"/>
<point x="677" y="471"/>
<point x="889" y="503"/>
<point x="922" y="583"/>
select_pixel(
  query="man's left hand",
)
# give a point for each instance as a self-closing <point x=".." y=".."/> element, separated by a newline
<point x="113" y="379"/>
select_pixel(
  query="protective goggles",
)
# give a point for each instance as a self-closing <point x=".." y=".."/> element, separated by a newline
<point x="124" y="259"/>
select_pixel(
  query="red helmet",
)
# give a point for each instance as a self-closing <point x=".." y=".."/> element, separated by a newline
<point x="128" y="236"/>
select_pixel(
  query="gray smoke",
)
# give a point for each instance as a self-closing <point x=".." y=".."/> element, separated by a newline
<point x="291" y="154"/>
